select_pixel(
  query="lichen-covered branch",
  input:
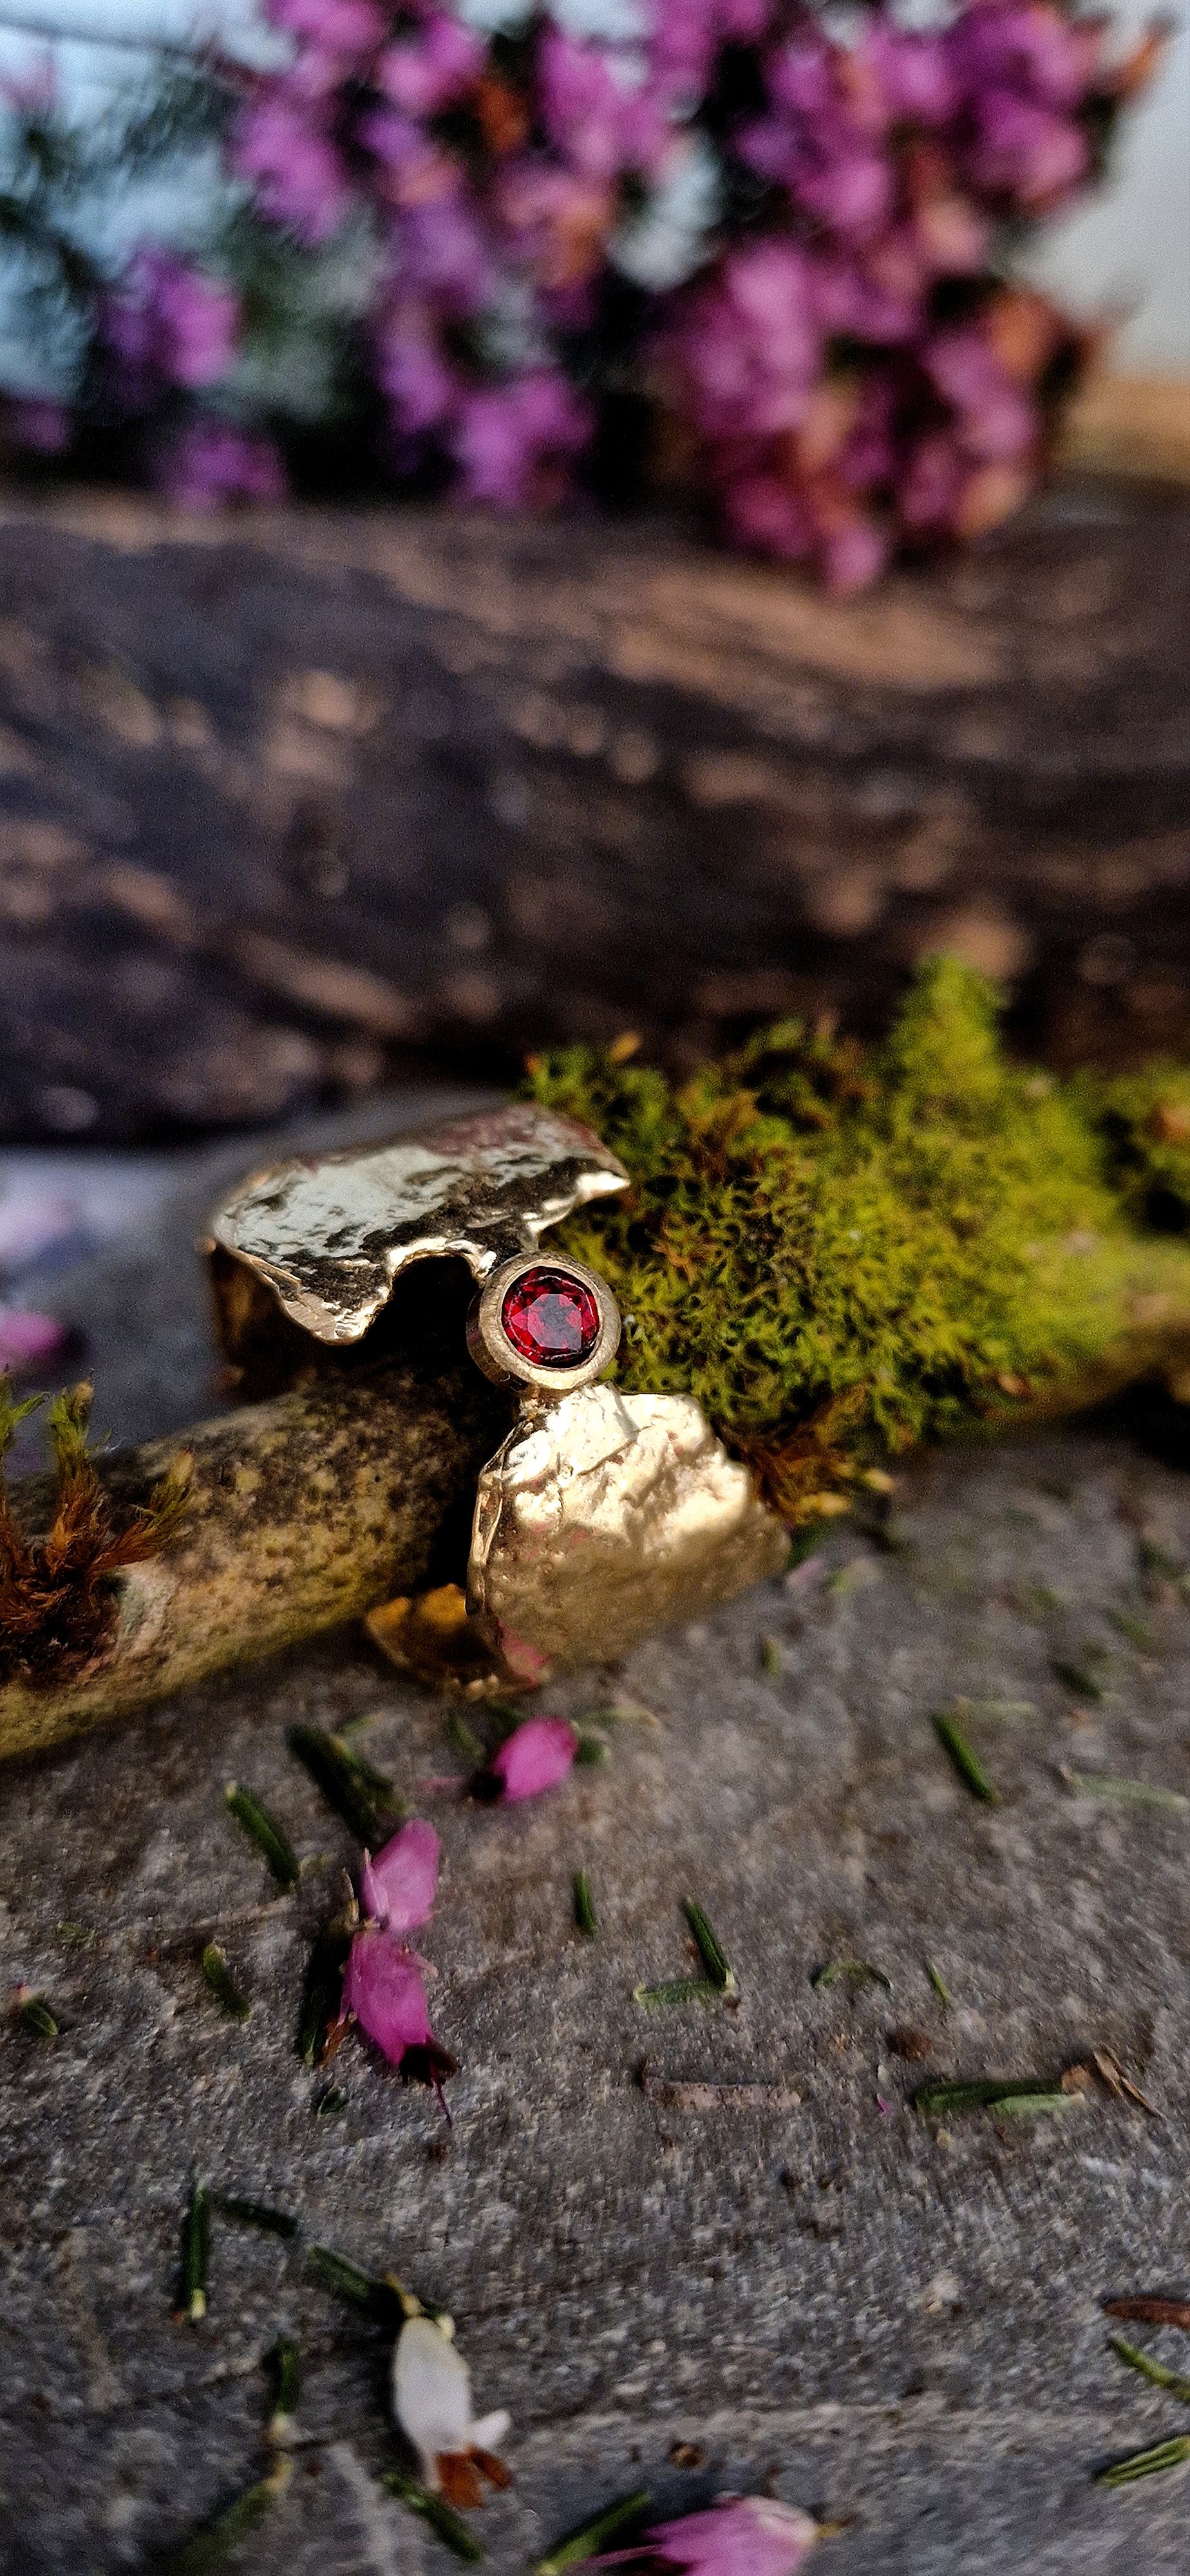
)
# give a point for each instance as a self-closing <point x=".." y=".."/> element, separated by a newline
<point x="298" y="1514"/>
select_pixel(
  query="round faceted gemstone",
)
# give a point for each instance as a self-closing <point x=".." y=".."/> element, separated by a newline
<point x="551" y="1319"/>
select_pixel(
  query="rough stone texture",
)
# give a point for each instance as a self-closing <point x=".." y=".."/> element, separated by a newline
<point x="897" y="2327"/>
<point x="391" y="783"/>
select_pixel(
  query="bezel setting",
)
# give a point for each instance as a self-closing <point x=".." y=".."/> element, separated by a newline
<point x="498" y="1357"/>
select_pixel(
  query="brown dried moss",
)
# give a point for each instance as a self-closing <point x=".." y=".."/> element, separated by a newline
<point x="58" y="1596"/>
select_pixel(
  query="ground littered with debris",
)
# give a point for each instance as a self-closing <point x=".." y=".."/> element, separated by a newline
<point x="690" y="2249"/>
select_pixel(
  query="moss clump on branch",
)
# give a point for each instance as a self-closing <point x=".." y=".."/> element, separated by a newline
<point x="57" y="1600"/>
<point x="841" y="1254"/>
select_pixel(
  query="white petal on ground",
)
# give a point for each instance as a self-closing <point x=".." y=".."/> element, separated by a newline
<point x="432" y="2397"/>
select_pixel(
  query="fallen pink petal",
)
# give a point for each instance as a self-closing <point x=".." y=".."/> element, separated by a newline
<point x="384" y="1988"/>
<point x="535" y="1757"/>
<point x="398" y="1887"/>
<point x="29" y="1340"/>
<point x="738" y="2536"/>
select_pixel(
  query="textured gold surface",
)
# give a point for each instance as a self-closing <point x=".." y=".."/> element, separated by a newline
<point x="605" y="1515"/>
<point x="330" y="1233"/>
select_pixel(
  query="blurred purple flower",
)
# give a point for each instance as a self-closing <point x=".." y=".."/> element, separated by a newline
<point x="506" y="438"/>
<point x="172" y="321"/>
<point x="346" y="28"/>
<point x="1025" y="151"/>
<point x="423" y="73"/>
<point x="211" y="463"/>
<point x="398" y="1887"/>
<point x="445" y="254"/>
<point x="28" y="1340"/>
<point x="535" y="1757"/>
<point x="596" y="112"/>
<point x="995" y="418"/>
<point x="299" y="176"/>
<point x="750" y="344"/>
<point x="411" y="371"/>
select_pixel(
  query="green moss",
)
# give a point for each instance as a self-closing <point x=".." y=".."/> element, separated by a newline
<point x="842" y="1255"/>
<point x="1144" y="1119"/>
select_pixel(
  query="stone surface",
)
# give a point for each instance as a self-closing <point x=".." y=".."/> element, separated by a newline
<point x="897" y="2327"/>
<point x="389" y="785"/>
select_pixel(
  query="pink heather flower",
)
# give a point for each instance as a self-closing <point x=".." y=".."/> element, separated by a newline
<point x="750" y="343"/>
<point x="173" y="321"/>
<point x="384" y="1988"/>
<point x="823" y="137"/>
<point x="1025" y="151"/>
<point x="413" y="374"/>
<point x="298" y="175"/>
<point x="1024" y="46"/>
<point x="423" y="73"/>
<point x="880" y="297"/>
<point x="344" y="28"/>
<point x="504" y="439"/>
<point x="28" y="1340"/>
<point x="398" y="1887"/>
<point x="445" y="254"/>
<point x="996" y="421"/>
<point x="738" y="2536"/>
<point x="211" y="464"/>
<point x="914" y="73"/>
<point x="536" y="1757"/>
<point x="596" y="115"/>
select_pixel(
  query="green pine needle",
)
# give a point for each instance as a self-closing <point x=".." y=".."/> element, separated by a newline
<point x="212" y="2547"/>
<point x="584" y="1905"/>
<point x="589" y="2538"/>
<point x="364" y="1797"/>
<point x="266" y="1833"/>
<point x="968" y="1767"/>
<point x="710" y="1949"/>
<point x="222" y="1983"/>
<point x="196" y="2255"/>
<point x="1146" y="2464"/>
<point x="1149" y="2369"/>
<point x="676" y="1990"/>
<point x="441" y="2517"/>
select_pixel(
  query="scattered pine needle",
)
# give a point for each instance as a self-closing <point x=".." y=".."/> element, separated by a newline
<point x="969" y="1768"/>
<point x="1150" y="2369"/>
<point x="441" y="2517"/>
<point x="584" y="1905"/>
<point x="222" y="1983"/>
<point x="1123" y="1793"/>
<point x="266" y="1833"/>
<point x="1146" y="2464"/>
<point x="710" y="1949"/>
<point x="213" y="2546"/>
<point x="196" y="2253"/>
<point x="589" y="2538"/>
<point x="852" y="1972"/>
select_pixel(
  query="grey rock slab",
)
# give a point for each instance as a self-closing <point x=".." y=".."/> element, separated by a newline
<point x="645" y="2239"/>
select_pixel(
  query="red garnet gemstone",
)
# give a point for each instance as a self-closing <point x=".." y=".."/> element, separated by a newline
<point x="551" y="1319"/>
